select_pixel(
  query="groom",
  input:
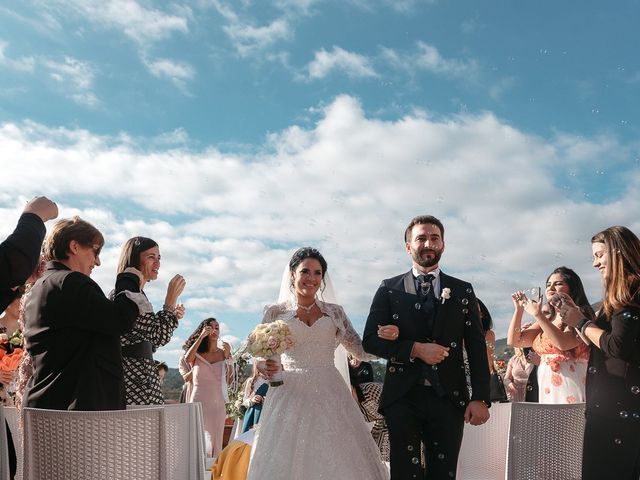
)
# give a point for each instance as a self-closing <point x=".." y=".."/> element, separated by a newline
<point x="425" y="399"/>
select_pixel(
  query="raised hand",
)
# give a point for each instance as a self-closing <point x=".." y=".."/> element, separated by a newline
<point x="174" y="289"/>
<point x="179" y="311"/>
<point x="43" y="207"/>
<point x="206" y="331"/>
<point x="519" y="300"/>
<point x="568" y="310"/>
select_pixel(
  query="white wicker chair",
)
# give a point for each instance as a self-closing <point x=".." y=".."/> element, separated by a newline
<point x="484" y="447"/>
<point x="184" y="437"/>
<point x="114" y="445"/>
<point x="545" y="441"/>
<point x="11" y="414"/>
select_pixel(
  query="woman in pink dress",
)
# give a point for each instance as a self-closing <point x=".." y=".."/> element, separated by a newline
<point x="563" y="355"/>
<point x="209" y="376"/>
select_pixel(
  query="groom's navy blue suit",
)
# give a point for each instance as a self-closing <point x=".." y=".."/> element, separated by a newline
<point x="432" y="414"/>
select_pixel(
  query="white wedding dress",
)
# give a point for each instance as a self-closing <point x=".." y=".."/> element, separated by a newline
<point x="311" y="427"/>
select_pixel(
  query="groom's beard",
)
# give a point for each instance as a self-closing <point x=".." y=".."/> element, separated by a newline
<point x="424" y="261"/>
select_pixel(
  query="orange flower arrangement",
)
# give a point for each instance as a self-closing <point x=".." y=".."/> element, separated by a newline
<point x="10" y="361"/>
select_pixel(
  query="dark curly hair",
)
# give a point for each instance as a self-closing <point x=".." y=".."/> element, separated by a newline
<point x="204" y="345"/>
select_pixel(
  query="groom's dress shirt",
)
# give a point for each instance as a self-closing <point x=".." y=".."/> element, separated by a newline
<point x="435" y="284"/>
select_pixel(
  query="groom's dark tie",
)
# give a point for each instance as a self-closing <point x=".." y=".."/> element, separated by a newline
<point x="427" y="295"/>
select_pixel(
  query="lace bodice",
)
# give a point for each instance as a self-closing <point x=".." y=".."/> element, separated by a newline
<point x="315" y="345"/>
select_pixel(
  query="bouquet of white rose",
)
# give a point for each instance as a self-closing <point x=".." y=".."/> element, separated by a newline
<point x="270" y="340"/>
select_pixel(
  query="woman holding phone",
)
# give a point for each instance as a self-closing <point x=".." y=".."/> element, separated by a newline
<point x="612" y="431"/>
<point x="563" y="355"/>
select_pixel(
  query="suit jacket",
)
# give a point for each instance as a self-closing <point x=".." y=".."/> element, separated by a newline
<point x="613" y="378"/>
<point x="456" y="325"/>
<point x="19" y="255"/>
<point x="72" y="332"/>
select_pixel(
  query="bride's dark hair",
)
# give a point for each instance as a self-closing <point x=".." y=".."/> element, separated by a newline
<point x="304" y="253"/>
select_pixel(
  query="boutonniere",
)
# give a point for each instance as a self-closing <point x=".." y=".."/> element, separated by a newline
<point x="446" y="294"/>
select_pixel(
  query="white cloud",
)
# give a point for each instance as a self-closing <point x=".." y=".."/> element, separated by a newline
<point x="427" y="57"/>
<point x="23" y="64"/>
<point x="178" y="72"/>
<point x="248" y="39"/>
<point x="142" y="25"/>
<point x="75" y="78"/>
<point x="351" y="64"/>
<point x="348" y="185"/>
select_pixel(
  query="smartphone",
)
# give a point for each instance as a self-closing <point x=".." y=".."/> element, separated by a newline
<point x="535" y="294"/>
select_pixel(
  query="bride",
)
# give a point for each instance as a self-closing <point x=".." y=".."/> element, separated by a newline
<point x="310" y="426"/>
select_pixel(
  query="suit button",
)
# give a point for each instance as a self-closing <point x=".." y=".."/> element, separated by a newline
<point x="393" y="359"/>
<point x="465" y="310"/>
<point x="400" y="370"/>
<point x="392" y="369"/>
<point x="434" y="367"/>
<point x="456" y="393"/>
<point x="418" y="306"/>
<point x="395" y="316"/>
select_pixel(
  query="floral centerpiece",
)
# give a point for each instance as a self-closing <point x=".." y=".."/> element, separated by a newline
<point x="270" y="340"/>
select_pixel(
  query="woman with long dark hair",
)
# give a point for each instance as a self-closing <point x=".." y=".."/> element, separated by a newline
<point x="563" y="355"/>
<point x="209" y="374"/>
<point x="612" y="433"/>
<point x="151" y="330"/>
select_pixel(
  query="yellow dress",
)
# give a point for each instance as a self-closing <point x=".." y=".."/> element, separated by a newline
<point x="233" y="461"/>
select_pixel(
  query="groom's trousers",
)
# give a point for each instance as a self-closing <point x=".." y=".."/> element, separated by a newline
<point x="422" y="417"/>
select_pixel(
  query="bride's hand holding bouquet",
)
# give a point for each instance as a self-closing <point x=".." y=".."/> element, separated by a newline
<point x="269" y="341"/>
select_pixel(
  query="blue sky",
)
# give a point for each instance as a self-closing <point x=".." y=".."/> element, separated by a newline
<point x="233" y="132"/>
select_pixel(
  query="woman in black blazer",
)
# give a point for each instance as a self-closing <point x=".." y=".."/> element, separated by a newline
<point x="72" y="330"/>
<point x="612" y="433"/>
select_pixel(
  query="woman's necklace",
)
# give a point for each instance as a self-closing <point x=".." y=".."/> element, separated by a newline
<point x="307" y="308"/>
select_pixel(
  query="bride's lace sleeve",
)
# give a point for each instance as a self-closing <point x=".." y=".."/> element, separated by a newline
<point x="348" y="336"/>
<point x="271" y="312"/>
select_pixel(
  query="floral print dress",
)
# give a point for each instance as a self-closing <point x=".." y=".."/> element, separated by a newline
<point x="561" y="374"/>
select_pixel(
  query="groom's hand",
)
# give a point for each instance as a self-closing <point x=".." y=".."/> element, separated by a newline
<point x="476" y="413"/>
<point x="430" y="353"/>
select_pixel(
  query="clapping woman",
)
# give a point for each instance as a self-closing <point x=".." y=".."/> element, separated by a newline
<point x="151" y="330"/>
<point x="612" y="433"/>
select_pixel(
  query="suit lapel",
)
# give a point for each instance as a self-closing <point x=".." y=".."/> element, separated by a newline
<point x="409" y="283"/>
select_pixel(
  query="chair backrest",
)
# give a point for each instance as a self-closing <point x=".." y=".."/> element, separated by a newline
<point x="545" y="441"/>
<point x="484" y="447"/>
<point x="4" y="450"/>
<point x="184" y="438"/>
<point x="11" y="415"/>
<point x="114" y="445"/>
